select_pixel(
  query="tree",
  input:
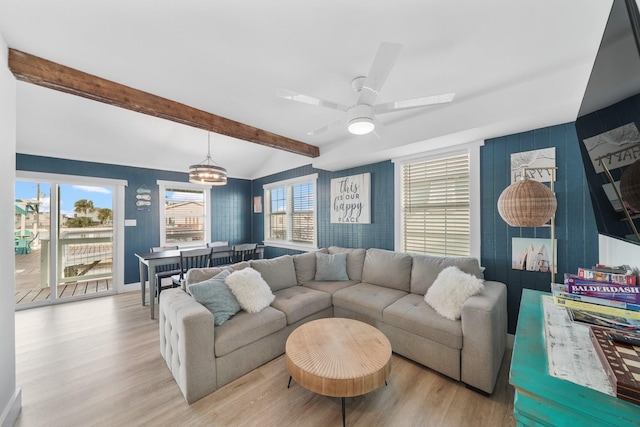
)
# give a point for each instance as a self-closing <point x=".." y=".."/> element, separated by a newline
<point x="83" y="206"/>
<point x="104" y="215"/>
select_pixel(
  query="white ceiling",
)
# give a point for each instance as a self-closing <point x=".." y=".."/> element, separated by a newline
<point x="514" y="65"/>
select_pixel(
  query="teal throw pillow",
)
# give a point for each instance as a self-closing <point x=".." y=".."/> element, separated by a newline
<point x="216" y="296"/>
<point x="331" y="267"/>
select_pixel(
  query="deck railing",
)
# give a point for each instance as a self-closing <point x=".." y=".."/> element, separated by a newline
<point x="83" y="254"/>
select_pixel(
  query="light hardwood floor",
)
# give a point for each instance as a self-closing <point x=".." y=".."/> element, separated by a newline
<point x="97" y="363"/>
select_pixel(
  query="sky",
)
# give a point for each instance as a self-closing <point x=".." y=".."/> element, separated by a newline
<point x="69" y="194"/>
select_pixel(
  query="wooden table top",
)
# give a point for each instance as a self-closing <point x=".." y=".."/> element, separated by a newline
<point x="338" y="357"/>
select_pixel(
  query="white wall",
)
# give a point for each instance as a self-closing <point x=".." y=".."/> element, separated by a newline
<point x="616" y="252"/>
<point x="10" y="396"/>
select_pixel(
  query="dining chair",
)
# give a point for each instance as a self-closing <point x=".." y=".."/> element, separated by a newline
<point x="193" y="258"/>
<point x="244" y="252"/>
<point x="166" y="271"/>
<point x="218" y="260"/>
<point x="215" y="244"/>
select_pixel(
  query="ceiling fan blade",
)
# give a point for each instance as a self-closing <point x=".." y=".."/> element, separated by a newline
<point x="338" y="123"/>
<point x="306" y="99"/>
<point x="382" y="64"/>
<point x="414" y="103"/>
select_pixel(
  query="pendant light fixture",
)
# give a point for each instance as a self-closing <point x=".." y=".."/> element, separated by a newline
<point x="208" y="172"/>
<point x="529" y="203"/>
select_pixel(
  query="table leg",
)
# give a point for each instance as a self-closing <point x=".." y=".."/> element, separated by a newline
<point x="143" y="280"/>
<point x="344" y="419"/>
<point x="152" y="290"/>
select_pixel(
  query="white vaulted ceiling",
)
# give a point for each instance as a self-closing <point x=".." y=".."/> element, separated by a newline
<point x="514" y="66"/>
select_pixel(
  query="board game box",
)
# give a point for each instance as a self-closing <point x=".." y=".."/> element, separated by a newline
<point x="620" y="361"/>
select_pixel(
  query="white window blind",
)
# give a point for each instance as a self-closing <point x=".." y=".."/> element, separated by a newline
<point x="290" y="214"/>
<point x="435" y="206"/>
<point x="302" y="213"/>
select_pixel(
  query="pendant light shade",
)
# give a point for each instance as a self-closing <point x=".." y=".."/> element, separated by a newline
<point x="207" y="172"/>
<point x="630" y="185"/>
<point x="527" y="203"/>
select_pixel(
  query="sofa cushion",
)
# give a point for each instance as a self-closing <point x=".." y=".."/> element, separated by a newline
<point x="305" y="265"/>
<point x="195" y="275"/>
<point x="216" y="296"/>
<point x="331" y="267"/>
<point x="412" y="314"/>
<point x="427" y="267"/>
<point x="245" y="328"/>
<point x="450" y="290"/>
<point x="278" y="272"/>
<point x="367" y="299"/>
<point x="252" y="292"/>
<point x="329" y="287"/>
<point x="387" y="268"/>
<point x="298" y="302"/>
<point x="355" y="260"/>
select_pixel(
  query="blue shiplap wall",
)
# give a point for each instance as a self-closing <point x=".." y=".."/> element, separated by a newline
<point x="378" y="234"/>
<point x="576" y="231"/>
<point x="231" y="208"/>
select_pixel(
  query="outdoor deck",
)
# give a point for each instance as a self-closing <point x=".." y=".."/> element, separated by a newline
<point x="27" y="282"/>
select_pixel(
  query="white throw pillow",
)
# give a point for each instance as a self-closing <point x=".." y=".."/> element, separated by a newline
<point x="251" y="291"/>
<point x="450" y="290"/>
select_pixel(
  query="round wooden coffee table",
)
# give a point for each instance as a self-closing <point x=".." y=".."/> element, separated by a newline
<point x="338" y="357"/>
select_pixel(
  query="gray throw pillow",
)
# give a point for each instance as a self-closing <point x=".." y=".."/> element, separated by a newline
<point x="216" y="296"/>
<point x="331" y="267"/>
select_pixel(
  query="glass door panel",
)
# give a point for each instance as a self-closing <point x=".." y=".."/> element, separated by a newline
<point x="32" y="225"/>
<point x="80" y="247"/>
<point x="85" y="240"/>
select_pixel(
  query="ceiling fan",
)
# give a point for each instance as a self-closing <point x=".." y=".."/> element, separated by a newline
<point x="360" y="117"/>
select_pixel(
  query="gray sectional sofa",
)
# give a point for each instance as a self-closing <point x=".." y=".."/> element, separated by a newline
<point x="384" y="288"/>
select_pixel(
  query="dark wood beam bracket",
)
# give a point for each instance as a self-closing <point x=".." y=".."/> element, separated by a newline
<point x="49" y="74"/>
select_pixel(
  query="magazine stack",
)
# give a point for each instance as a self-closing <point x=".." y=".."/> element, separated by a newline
<point x="602" y="296"/>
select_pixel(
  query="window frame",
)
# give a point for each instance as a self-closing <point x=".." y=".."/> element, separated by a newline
<point x="473" y="151"/>
<point x="288" y="184"/>
<point x="177" y="185"/>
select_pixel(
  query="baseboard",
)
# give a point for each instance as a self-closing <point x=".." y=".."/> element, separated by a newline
<point x="12" y="410"/>
<point x="130" y="287"/>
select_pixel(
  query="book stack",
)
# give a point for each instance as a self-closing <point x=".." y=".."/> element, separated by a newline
<point x="601" y="295"/>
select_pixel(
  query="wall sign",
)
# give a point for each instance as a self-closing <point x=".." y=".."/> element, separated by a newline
<point x="351" y="199"/>
<point x="543" y="158"/>
<point x="143" y="199"/>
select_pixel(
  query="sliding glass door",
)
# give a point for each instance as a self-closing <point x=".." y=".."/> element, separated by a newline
<point x="64" y="240"/>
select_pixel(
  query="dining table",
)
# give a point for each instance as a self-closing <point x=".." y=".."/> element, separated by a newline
<point x="149" y="261"/>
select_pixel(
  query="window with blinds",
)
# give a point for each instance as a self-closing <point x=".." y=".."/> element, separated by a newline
<point x="290" y="216"/>
<point x="436" y="206"/>
<point x="184" y="213"/>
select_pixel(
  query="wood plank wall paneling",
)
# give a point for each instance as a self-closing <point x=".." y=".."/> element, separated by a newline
<point x="231" y="212"/>
<point x="378" y="234"/>
<point x="575" y="225"/>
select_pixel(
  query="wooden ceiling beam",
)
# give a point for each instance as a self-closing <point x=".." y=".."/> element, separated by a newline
<point x="45" y="73"/>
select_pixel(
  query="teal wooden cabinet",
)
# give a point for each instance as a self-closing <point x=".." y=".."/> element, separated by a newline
<point x="543" y="400"/>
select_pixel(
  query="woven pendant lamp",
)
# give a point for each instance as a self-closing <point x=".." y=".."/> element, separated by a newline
<point x="630" y="185"/>
<point x="527" y="203"/>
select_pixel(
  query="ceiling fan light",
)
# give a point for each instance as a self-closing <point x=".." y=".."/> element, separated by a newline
<point x="361" y="126"/>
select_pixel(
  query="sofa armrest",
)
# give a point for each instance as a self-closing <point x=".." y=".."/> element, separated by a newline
<point x="484" y="336"/>
<point x="186" y="343"/>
